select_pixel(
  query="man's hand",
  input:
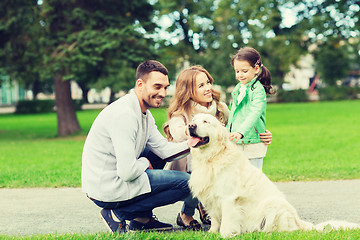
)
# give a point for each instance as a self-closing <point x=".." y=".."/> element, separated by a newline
<point x="266" y="137"/>
<point x="235" y="136"/>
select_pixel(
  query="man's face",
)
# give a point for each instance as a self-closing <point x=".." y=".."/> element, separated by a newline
<point x="153" y="90"/>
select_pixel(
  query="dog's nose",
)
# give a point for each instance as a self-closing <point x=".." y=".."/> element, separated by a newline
<point x="192" y="129"/>
<point x="192" y="126"/>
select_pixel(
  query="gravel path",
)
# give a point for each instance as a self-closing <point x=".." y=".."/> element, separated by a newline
<point x="67" y="210"/>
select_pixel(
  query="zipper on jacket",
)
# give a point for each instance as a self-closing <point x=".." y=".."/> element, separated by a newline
<point x="256" y="130"/>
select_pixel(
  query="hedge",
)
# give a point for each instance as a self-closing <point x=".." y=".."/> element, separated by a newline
<point x="40" y="106"/>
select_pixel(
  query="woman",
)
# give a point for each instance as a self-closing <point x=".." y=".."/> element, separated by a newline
<point x="194" y="94"/>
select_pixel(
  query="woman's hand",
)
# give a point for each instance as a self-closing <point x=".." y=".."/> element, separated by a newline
<point x="266" y="137"/>
<point x="235" y="136"/>
<point x="150" y="166"/>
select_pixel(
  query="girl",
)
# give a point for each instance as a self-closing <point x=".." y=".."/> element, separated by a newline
<point x="248" y="110"/>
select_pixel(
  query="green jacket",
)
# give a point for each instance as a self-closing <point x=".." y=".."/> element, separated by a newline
<point x="249" y="116"/>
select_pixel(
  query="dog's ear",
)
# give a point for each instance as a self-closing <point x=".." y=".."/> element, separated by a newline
<point x="223" y="135"/>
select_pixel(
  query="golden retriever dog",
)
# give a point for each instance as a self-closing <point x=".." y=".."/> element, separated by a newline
<point x="238" y="197"/>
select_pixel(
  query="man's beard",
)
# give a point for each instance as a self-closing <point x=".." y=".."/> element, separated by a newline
<point x="148" y="105"/>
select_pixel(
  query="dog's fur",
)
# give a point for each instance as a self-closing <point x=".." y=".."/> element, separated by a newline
<point x="238" y="197"/>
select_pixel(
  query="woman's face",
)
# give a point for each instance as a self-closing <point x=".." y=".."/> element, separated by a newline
<point x="244" y="72"/>
<point x="203" y="90"/>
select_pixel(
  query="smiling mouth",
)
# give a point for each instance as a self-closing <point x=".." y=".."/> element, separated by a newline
<point x="158" y="99"/>
<point x="196" y="141"/>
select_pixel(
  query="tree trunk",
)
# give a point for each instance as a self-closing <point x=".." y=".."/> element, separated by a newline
<point x="36" y="88"/>
<point x="85" y="91"/>
<point x="112" y="97"/>
<point x="66" y="116"/>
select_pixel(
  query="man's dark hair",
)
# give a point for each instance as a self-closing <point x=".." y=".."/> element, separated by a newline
<point x="150" y="66"/>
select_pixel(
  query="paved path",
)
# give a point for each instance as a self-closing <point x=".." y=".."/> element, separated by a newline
<point x="67" y="210"/>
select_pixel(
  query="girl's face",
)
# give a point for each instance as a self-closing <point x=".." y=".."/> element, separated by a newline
<point x="244" y="72"/>
<point x="203" y="90"/>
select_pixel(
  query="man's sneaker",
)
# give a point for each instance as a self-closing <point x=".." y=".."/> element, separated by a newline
<point x="113" y="223"/>
<point x="152" y="225"/>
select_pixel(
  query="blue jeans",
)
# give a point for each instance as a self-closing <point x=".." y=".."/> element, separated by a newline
<point x="257" y="162"/>
<point x="167" y="187"/>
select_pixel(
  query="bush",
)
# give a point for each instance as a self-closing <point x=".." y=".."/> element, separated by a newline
<point x="78" y="104"/>
<point x="291" y="96"/>
<point x="41" y="106"/>
<point x="35" y="106"/>
<point x="338" y="93"/>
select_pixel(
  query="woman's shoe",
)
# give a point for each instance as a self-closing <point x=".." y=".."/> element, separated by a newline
<point x="204" y="217"/>
<point x="194" y="225"/>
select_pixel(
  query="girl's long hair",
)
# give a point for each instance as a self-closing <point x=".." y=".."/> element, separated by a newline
<point x="182" y="103"/>
<point x="253" y="57"/>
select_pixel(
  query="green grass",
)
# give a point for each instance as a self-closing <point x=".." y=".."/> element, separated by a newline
<point x="312" y="235"/>
<point x="311" y="141"/>
<point x="33" y="156"/>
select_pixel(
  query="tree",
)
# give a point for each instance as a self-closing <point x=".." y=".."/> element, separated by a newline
<point x="84" y="37"/>
<point x="216" y="29"/>
<point x="333" y="27"/>
<point x="97" y="43"/>
<point x="20" y="54"/>
<point x="332" y="61"/>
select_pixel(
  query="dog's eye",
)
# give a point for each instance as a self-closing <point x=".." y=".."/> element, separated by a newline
<point x="205" y="121"/>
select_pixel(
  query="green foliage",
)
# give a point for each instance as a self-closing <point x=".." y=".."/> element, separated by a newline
<point x="332" y="62"/>
<point x="338" y="93"/>
<point x="291" y="96"/>
<point x="98" y="44"/>
<point x="214" y="30"/>
<point x="20" y="52"/>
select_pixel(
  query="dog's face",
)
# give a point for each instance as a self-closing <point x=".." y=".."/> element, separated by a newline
<point x="205" y="129"/>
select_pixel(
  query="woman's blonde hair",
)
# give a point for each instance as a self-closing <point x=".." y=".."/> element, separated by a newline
<point x="182" y="103"/>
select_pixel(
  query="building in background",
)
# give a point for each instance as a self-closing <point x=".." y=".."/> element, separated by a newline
<point x="300" y="76"/>
<point x="10" y="91"/>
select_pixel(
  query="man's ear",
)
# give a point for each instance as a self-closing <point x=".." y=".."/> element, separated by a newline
<point x="139" y="83"/>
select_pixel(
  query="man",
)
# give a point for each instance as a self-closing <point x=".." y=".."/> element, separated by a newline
<point x="115" y="176"/>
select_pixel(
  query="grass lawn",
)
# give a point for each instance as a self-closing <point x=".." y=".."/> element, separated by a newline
<point x="311" y="141"/>
<point x="182" y="235"/>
